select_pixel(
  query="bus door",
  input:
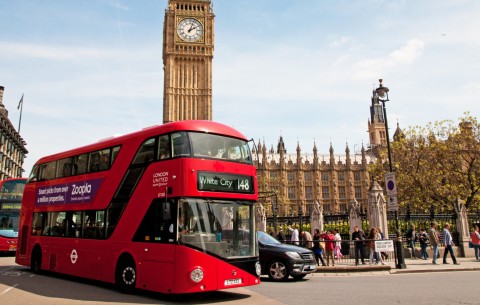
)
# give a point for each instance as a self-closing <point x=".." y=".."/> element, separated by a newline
<point x="156" y="236"/>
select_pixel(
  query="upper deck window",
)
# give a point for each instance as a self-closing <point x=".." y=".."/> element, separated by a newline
<point x="205" y="145"/>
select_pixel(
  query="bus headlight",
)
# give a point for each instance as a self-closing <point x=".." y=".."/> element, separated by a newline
<point x="258" y="268"/>
<point x="196" y="275"/>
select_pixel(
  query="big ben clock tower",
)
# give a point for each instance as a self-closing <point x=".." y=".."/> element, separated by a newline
<point x="187" y="60"/>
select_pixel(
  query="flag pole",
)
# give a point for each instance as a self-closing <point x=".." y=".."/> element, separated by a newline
<point x="20" y="105"/>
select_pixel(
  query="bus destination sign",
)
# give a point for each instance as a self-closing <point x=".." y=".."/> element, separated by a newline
<point x="217" y="182"/>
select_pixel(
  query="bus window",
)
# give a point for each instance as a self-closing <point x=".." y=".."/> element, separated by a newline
<point x="49" y="170"/>
<point x="38" y="223"/>
<point x="64" y="168"/>
<point x="104" y="159"/>
<point x="158" y="224"/>
<point x="33" y="174"/>
<point x="94" y="162"/>
<point x="181" y="145"/>
<point x="146" y="152"/>
<point x="206" y="145"/>
<point x="115" y="151"/>
<point x="80" y="164"/>
<point x="164" y="147"/>
<point x="93" y="224"/>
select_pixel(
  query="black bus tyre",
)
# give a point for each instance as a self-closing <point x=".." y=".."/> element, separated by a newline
<point x="36" y="261"/>
<point x="126" y="276"/>
<point x="278" y="271"/>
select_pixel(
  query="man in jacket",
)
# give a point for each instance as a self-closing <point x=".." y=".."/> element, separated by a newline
<point x="358" y="236"/>
<point x="448" y="242"/>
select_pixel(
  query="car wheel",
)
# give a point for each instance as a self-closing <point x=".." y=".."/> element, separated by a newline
<point x="278" y="271"/>
<point x="299" y="276"/>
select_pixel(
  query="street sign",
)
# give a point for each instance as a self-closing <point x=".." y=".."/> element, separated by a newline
<point x="384" y="246"/>
<point x="392" y="203"/>
<point x="390" y="184"/>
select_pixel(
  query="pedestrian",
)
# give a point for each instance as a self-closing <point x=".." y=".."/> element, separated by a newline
<point x="358" y="237"/>
<point x="329" y="246"/>
<point x="423" y="239"/>
<point x="476" y="241"/>
<point x="294" y="237"/>
<point x="317" y="248"/>
<point x="306" y="239"/>
<point x="272" y="233"/>
<point x="448" y="243"/>
<point x="374" y="235"/>
<point x="434" y="242"/>
<point x="383" y="254"/>
<point x="337" y="252"/>
<point x="281" y="236"/>
<point x="411" y="237"/>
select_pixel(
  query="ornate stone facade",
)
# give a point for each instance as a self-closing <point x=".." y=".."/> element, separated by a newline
<point x="12" y="146"/>
<point x="187" y="59"/>
<point x="299" y="180"/>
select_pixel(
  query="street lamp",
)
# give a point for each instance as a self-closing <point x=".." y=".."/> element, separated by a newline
<point x="382" y="96"/>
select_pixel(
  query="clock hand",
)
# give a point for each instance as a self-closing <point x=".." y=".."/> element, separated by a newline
<point x="192" y="28"/>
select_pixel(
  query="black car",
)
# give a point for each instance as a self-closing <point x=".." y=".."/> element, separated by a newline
<point x="279" y="261"/>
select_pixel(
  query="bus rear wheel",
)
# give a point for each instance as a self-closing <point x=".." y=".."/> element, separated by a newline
<point x="126" y="276"/>
<point x="36" y="261"/>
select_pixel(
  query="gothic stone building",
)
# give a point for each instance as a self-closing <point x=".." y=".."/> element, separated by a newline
<point x="12" y="146"/>
<point x="299" y="180"/>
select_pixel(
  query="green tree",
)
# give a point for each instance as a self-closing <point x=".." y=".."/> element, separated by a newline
<point x="436" y="164"/>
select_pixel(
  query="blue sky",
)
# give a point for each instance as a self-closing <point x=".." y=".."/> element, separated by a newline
<point x="301" y="69"/>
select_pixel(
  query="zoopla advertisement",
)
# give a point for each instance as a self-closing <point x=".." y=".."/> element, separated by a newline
<point x="73" y="192"/>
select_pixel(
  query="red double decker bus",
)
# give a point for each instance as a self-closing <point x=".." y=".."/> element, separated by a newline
<point x="168" y="209"/>
<point x="11" y="192"/>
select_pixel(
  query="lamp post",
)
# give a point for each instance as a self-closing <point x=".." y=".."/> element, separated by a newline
<point x="382" y="96"/>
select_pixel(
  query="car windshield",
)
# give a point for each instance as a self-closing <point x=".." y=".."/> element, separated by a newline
<point x="266" y="239"/>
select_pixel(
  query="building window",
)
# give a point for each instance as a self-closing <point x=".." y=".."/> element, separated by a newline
<point x="358" y="192"/>
<point x="343" y="208"/>
<point x="324" y="176"/>
<point x="326" y="208"/>
<point x="341" y="192"/>
<point x="291" y="192"/>
<point x="291" y="176"/>
<point x="356" y="176"/>
<point x="308" y="193"/>
<point x="341" y="176"/>
<point x="273" y="175"/>
<point x="308" y="176"/>
<point x="325" y="193"/>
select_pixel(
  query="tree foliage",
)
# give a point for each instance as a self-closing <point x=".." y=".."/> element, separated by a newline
<point x="436" y="164"/>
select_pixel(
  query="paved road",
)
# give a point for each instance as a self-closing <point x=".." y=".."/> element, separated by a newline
<point x="19" y="286"/>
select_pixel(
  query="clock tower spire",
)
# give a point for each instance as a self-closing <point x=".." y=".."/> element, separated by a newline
<point x="187" y="60"/>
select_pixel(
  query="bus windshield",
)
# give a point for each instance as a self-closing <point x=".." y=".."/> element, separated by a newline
<point x="12" y="189"/>
<point x="219" y="227"/>
<point x="206" y="145"/>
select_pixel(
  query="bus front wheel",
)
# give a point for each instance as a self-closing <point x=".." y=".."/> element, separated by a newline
<point x="126" y="275"/>
<point x="36" y="261"/>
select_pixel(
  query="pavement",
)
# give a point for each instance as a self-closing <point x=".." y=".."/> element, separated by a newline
<point x="412" y="266"/>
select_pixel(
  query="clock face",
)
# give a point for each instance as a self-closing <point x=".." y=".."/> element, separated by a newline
<point x="190" y="30"/>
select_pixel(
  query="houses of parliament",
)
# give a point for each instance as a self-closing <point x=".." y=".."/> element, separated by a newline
<point x="297" y="179"/>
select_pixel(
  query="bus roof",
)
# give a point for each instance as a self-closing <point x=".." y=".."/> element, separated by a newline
<point x="188" y="125"/>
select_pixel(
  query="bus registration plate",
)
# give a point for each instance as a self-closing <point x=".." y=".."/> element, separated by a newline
<point x="233" y="282"/>
<point x="12" y="248"/>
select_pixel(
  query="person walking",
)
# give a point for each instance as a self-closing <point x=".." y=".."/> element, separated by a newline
<point x="329" y="246"/>
<point x="317" y="248"/>
<point x="294" y="238"/>
<point x="337" y="252"/>
<point x="423" y="239"/>
<point x="411" y="237"/>
<point x="306" y="239"/>
<point x="476" y="240"/>
<point x="434" y="241"/>
<point x="448" y="242"/>
<point x="358" y="237"/>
